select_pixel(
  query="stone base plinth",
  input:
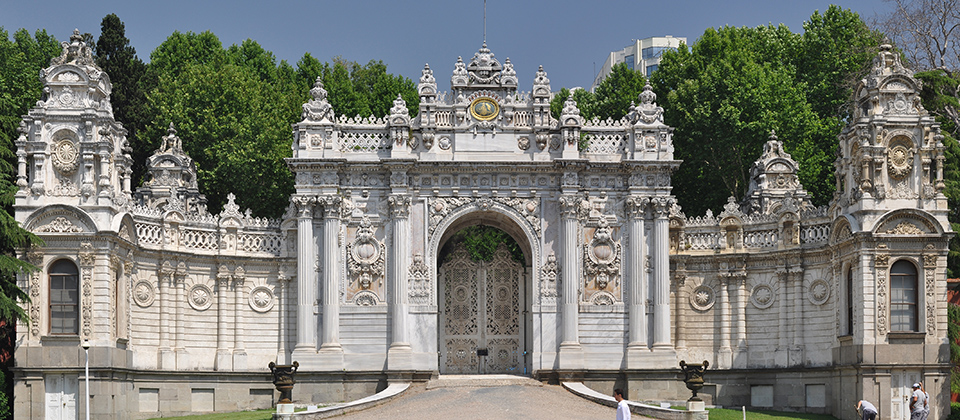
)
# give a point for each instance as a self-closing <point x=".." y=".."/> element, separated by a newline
<point x="696" y="406"/>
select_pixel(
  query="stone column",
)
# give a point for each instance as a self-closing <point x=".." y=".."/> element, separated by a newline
<point x="796" y="351"/>
<point x="680" y="278"/>
<point x="661" y="274"/>
<point x="239" y="300"/>
<point x="571" y="353"/>
<point x="400" y="354"/>
<point x="725" y="355"/>
<point x="223" y="360"/>
<point x="306" y="282"/>
<point x="636" y="282"/>
<point x="165" y="278"/>
<point x="180" y="299"/>
<point x="330" y="328"/>
<point x="783" y="343"/>
<point x="283" y="284"/>
<point x="740" y="282"/>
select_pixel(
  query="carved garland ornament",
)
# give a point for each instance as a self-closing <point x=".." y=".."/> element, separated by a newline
<point x="60" y="225"/>
<point x="87" y="260"/>
<point x="549" y="279"/>
<point x="881" y="262"/>
<point x="930" y="269"/>
<point x="419" y="281"/>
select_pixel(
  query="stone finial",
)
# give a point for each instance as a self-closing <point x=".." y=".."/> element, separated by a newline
<point x="399" y="106"/>
<point x="509" y="75"/>
<point x="647" y="97"/>
<point x="648" y="111"/>
<point x="460" y="77"/>
<point x="318" y="92"/>
<point x="541" y="84"/>
<point x="427" y="88"/>
<point x="317" y="109"/>
<point x="76" y="52"/>
<point x="170" y="142"/>
<point x="426" y="75"/>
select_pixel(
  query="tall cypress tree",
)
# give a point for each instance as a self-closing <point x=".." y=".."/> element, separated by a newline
<point x="119" y="59"/>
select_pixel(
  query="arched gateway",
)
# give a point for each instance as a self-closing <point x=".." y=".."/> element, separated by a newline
<point x="804" y="308"/>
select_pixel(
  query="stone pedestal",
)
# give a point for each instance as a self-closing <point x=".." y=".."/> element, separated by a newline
<point x="571" y="356"/>
<point x="400" y="357"/>
<point x="696" y="406"/>
<point x="224" y="361"/>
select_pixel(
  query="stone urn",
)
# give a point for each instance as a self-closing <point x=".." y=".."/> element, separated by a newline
<point x="283" y="380"/>
<point x="693" y="376"/>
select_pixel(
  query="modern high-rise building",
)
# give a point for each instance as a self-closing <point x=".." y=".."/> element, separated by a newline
<point x="643" y="54"/>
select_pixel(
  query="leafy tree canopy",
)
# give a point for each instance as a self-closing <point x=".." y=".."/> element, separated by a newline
<point x="726" y="93"/>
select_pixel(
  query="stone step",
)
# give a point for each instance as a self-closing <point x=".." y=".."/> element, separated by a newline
<point x="480" y="381"/>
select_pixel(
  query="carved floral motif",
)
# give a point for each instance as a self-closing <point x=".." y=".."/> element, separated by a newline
<point x="59" y="225"/>
<point x="200" y="297"/>
<point x="703" y="298"/>
<point x="143" y="294"/>
<point x="261" y="299"/>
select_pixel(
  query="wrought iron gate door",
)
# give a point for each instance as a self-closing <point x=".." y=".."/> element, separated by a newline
<point x="481" y="331"/>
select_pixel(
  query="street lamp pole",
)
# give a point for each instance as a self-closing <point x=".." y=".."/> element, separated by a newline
<point x="86" y="375"/>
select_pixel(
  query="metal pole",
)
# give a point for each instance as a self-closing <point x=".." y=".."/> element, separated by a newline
<point x="86" y="374"/>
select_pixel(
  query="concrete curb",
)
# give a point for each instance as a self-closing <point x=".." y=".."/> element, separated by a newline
<point x="390" y="392"/>
<point x="582" y="390"/>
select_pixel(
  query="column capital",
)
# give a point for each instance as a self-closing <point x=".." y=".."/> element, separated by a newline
<point x="304" y="205"/>
<point x="571" y="205"/>
<point x="661" y="206"/>
<point x="330" y="204"/>
<point x="399" y="205"/>
<point x="637" y="206"/>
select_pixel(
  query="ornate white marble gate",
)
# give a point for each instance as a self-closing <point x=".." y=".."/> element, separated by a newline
<point x="480" y="327"/>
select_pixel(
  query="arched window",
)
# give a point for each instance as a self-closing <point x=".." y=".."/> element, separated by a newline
<point x="64" y="298"/>
<point x="903" y="296"/>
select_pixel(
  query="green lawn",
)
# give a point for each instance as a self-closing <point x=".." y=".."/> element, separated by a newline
<point x="724" y="414"/>
<point x="243" y="415"/>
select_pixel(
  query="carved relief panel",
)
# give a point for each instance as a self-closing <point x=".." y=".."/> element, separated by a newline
<point x="365" y="265"/>
<point x="601" y="265"/>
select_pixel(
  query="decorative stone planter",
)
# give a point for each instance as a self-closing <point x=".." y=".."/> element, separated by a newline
<point x="693" y="377"/>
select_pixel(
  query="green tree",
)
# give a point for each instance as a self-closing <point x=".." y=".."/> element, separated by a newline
<point x="20" y="88"/>
<point x="119" y="60"/>
<point x="615" y="93"/>
<point x="734" y="85"/>
<point x="235" y="127"/>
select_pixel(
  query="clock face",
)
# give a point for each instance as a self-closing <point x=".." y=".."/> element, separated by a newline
<point x="484" y="109"/>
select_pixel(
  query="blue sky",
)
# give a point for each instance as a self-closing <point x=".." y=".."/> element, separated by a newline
<point x="569" y="38"/>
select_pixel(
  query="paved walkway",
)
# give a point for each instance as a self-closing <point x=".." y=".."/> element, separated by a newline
<point x="502" y="402"/>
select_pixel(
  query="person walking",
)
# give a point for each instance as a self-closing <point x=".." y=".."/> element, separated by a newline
<point x="623" y="410"/>
<point x="917" y="402"/>
<point x="867" y="410"/>
<point x="926" y="402"/>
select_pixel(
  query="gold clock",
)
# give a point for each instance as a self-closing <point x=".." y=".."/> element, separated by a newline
<point x="484" y="109"/>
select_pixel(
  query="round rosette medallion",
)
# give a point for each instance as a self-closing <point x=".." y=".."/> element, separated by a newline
<point x="261" y="299"/>
<point x="200" y="297"/>
<point x="762" y="296"/>
<point x="702" y="298"/>
<point x="143" y="294"/>
<point x="819" y="292"/>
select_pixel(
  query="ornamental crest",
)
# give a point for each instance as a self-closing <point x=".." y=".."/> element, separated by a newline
<point x="64" y="157"/>
<point x="900" y="158"/>
<point x="366" y="256"/>
<point x="602" y="260"/>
